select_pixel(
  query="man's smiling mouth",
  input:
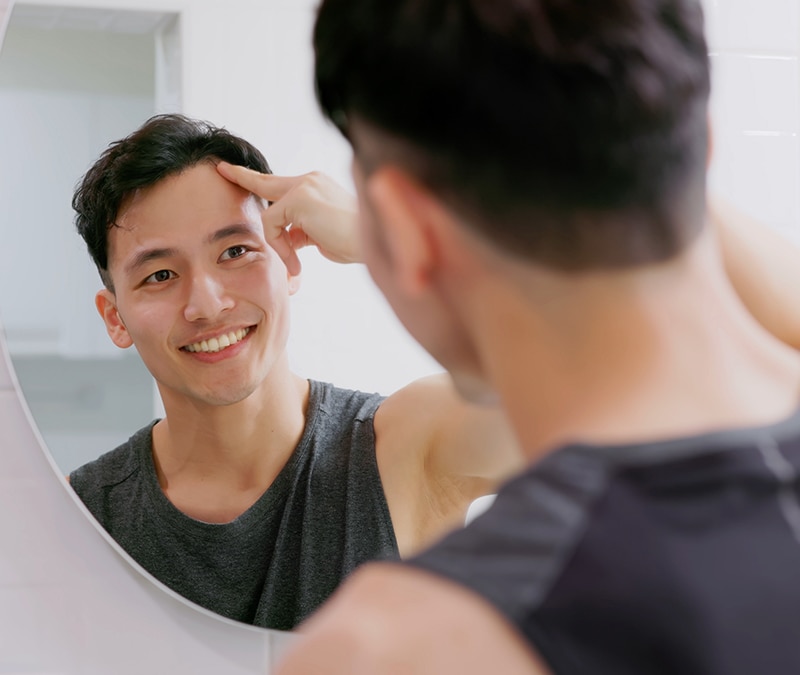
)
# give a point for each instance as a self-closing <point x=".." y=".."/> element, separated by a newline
<point x="218" y="343"/>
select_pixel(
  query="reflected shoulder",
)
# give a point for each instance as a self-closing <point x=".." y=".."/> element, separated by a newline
<point x="460" y="440"/>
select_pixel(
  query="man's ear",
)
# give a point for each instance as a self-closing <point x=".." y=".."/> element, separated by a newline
<point x="106" y="303"/>
<point x="410" y="218"/>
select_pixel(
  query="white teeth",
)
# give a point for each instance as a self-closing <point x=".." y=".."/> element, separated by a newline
<point x="218" y="343"/>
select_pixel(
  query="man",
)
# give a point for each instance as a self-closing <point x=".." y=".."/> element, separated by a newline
<point x="259" y="491"/>
<point x="531" y="181"/>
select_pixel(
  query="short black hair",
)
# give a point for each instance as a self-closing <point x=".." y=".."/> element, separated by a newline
<point x="165" y="145"/>
<point x="569" y="132"/>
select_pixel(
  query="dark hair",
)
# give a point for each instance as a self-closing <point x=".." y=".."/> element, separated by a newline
<point x="165" y="145"/>
<point x="570" y="132"/>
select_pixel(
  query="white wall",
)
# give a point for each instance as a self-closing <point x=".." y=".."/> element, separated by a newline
<point x="59" y="107"/>
<point x="755" y="108"/>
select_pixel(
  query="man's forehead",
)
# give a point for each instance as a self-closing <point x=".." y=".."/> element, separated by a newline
<point x="199" y="193"/>
<point x="179" y="229"/>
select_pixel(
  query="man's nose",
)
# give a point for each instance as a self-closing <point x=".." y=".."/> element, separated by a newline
<point x="207" y="298"/>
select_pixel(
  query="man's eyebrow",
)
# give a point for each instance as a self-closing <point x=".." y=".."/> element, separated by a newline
<point x="236" y="230"/>
<point x="145" y="256"/>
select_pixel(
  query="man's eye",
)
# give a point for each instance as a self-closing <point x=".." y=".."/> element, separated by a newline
<point x="234" y="252"/>
<point x="159" y="277"/>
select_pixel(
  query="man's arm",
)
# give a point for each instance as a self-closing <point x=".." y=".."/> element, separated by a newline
<point x="436" y="454"/>
<point x="393" y="619"/>
<point x="465" y="440"/>
<point x="764" y="268"/>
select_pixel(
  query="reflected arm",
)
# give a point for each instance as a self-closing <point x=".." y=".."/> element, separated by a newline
<point x="471" y="445"/>
<point x="436" y="454"/>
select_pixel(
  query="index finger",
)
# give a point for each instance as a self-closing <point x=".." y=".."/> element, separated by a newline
<point x="267" y="186"/>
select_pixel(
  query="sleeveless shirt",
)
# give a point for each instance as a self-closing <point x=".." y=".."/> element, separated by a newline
<point x="324" y="514"/>
<point x="674" y="557"/>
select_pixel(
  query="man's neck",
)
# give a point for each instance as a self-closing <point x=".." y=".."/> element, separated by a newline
<point x="624" y="357"/>
<point x="224" y="457"/>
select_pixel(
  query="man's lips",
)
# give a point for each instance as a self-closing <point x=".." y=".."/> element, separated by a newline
<point x="218" y="343"/>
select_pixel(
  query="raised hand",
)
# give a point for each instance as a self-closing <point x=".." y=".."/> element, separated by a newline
<point x="307" y="210"/>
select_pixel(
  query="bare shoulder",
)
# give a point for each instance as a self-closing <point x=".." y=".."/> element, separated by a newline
<point x="428" y="422"/>
<point x="408" y="424"/>
<point x="392" y="618"/>
<point x="418" y="407"/>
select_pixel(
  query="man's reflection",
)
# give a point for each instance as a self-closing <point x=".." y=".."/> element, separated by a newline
<point x="259" y="491"/>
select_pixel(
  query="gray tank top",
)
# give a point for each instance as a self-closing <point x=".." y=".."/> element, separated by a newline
<point x="324" y="514"/>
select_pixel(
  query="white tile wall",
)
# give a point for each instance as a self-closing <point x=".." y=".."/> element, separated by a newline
<point x="757" y="25"/>
<point x="755" y="108"/>
<point x="755" y="93"/>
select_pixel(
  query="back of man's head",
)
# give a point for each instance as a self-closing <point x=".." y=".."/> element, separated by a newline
<point x="164" y="146"/>
<point x="571" y="133"/>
